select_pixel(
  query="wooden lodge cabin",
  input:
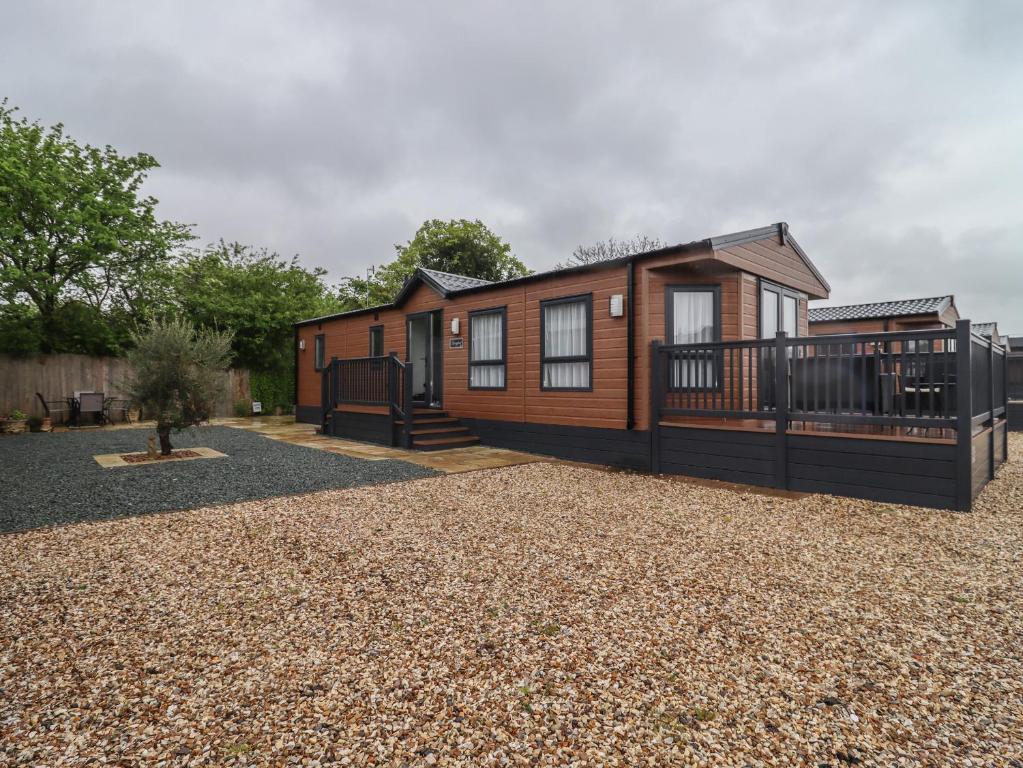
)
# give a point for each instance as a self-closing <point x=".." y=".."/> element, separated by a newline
<point x="693" y="359"/>
<point x="903" y="315"/>
<point x="990" y="330"/>
<point x="595" y="405"/>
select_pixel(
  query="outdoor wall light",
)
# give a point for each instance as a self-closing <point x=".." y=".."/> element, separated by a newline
<point x="454" y="326"/>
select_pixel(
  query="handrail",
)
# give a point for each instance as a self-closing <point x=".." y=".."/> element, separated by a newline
<point x="718" y="345"/>
<point x="358" y="359"/>
<point x="846" y="338"/>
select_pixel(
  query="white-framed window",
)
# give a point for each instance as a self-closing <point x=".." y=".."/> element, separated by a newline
<point x="566" y="344"/>
<point x="487" y="348"/>
<point x="779" y="310"/>
<point x="693" y="316"/>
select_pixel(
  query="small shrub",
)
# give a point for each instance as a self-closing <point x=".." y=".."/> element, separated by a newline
<point x="176" y="374"/>
<point x="35" y="423"/>
<point x="17" y="415"/>
<point x="241" y="408"/>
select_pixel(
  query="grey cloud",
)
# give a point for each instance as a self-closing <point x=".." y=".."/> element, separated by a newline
<point x="334" y="130"/>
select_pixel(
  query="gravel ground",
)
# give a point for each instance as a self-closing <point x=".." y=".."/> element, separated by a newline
<point x="53" y="479"/>
<point x="538" y="614"/>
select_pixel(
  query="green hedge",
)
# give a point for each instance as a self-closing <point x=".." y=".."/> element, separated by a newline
<point x="273" y="388"/>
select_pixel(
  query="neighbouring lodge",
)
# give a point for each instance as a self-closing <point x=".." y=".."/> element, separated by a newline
<point x="697" y="359"/>
<point x="904" y="315"/>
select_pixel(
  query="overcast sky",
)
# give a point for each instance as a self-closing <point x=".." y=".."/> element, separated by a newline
<point x="889" y="135"/>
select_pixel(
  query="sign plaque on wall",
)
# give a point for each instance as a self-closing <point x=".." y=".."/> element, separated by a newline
<point x="456" y="342"/>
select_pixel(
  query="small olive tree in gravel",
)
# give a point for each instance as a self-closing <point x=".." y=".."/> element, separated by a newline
<point x="177" y="374"/>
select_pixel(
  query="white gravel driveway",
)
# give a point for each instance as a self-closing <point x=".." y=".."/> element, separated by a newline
<point x="539" y="614"/>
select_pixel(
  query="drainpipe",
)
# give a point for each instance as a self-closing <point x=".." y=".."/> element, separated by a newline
<point x="630" y="420"/>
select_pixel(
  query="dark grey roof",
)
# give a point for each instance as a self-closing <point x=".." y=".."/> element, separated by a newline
<point x="880" y="309"/>
<point x="446" y="283"/>
<point x="452" y="282"/>
<point x="984" y="329"/>
<point x="1016" y="343"/>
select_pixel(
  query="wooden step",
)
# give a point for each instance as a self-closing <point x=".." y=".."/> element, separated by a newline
<point x="440" y="443"/>
<point x="427" y="422"/>
<point x="428" y="411"/>
<point x="438" y="420"/>
<point x="439" y="430"/>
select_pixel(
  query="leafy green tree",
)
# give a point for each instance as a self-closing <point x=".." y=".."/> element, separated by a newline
<point x="458" y="246"/>
<point x="19" y="331"/>
<point x="256" y="294"/>
<point x="74" y="225"/>
<point x="177" y="374"/>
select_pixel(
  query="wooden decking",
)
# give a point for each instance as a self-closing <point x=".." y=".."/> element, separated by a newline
<point x="861" y="431"/>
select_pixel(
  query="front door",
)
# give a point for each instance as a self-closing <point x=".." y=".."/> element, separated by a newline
<point x="424" y="335"/>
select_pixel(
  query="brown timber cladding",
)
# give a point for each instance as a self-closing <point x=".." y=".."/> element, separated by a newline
<point x="522" y="400"/>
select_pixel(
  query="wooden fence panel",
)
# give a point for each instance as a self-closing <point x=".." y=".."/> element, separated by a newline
<point x="57" y="376"/>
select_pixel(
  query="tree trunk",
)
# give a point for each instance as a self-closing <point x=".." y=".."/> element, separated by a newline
<point x="165" y="443"/>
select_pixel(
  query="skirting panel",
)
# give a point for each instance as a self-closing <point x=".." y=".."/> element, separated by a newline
<point x="307" y="414"/>
<point x="611" y="447"/>
<point x="980" y="469"/>
<point x="718" y="454"/>
<point x="1000" y="456"/>
<point x="368" y="427"/>
<point x="921" y="474"/>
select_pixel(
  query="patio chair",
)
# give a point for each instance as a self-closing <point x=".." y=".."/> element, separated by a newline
<point x="90" y="402"/>
<point x="117" y="405"/>
<point x="54" y="408"/>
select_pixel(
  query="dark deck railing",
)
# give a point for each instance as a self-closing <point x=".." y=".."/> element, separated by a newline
<point x="948" y="379"/>
<point x="895" y="379"/>
<point x="371" y="381"/>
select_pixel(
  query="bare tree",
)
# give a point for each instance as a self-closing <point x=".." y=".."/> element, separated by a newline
<point x="611" y="248"/>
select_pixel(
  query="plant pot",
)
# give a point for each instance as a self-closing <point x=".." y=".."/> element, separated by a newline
<point x="13" y="426"/>
<point x="277" y="410"/>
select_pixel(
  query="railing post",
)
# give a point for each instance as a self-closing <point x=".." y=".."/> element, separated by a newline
<point x="392" y="389"/>
<point x="407" y="407"/>
<point x="964" y="415"/>
<point x="781" y="410"/>
<point x="1005" y="401"/>
<point x="324" y="396"/>
<point x="392" y="380"/>
<point x="991" y="407"/>
<point x="656" y="399"/>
